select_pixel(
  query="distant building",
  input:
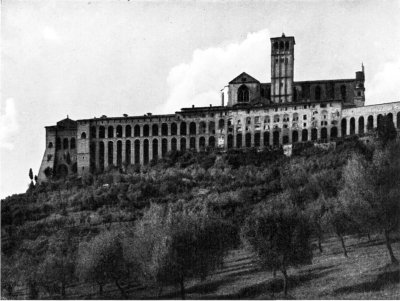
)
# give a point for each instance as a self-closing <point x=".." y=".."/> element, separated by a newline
<point x="252" y="114"/>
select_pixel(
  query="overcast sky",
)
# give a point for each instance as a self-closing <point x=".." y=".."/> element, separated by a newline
<point x="89" y="58"/>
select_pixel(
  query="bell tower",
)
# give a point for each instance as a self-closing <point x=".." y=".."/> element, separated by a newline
<point x="282" y="62"/>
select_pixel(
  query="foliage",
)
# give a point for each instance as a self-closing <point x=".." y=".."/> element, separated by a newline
<point x="386" y="130"/>
<point x="278" y="233"/>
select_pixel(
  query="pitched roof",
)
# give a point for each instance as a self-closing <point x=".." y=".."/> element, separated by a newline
<point x="243" y="78"/>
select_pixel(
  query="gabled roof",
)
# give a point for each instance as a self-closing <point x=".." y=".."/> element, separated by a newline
<point x="67" y="124"/>
<point x="243" y="78"/>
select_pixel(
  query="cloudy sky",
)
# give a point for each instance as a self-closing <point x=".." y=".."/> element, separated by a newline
<point x="89" y="58"/>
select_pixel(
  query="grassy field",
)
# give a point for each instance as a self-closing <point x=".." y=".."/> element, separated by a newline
<point x="365" y="274"/>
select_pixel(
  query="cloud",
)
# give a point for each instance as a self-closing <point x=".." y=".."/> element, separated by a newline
<point x="199" y="82"/>
<point x="8" y="124"/>
<point x="385" y="84"/>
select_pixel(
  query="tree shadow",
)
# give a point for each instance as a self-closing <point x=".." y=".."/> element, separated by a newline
<point x="381" y="280"/>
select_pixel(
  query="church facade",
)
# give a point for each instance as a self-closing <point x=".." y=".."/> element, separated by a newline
<point x="251" y="115"/>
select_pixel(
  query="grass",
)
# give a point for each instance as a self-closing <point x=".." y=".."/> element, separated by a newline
<point x="365" y="274"/>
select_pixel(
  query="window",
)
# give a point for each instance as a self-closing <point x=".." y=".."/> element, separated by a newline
<point x="304" y="117"/>
<point x="73" y="143"/>
<point x="83" y="135"/>
<point x="50" y="145"/>
<point x="243" y="94"/>
<point x="276" y="118"/>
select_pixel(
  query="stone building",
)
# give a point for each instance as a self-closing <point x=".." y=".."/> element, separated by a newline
<point x="256" y="114"/>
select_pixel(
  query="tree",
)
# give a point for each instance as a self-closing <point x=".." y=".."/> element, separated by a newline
<point x="372" y="191"/>
<point x="102" y="260"/>
<point x="279" y="233"/>
<point x="386" y="130"/>
<point x="58" y="266"/>
<point x="174" y="243"/>
<point x="8" y="276"/>
<point x="30" y="174"/>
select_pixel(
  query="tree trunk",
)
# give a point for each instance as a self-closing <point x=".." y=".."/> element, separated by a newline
<point x="285" y="281"/>
<point x="320" y="239"/>
<point x="182" y="284"/>
<point x="389" y="247"/>
<point x="121" y="289"/>
<point x="63" y="290"/>
<point x="343" y="245"/>
<point x="100" y="289"/>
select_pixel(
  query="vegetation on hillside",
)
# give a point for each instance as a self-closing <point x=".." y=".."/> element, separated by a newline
<point x="174" y="220"/>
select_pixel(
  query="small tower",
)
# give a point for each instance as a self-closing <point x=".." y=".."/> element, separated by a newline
<point x="282" y="62"/>
<point x="359" y="97"/>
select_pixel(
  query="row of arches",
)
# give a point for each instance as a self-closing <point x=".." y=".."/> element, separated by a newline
<point x="361" y="125"/>
<point x="65" y="143"/>
<point x="142" y="151"/>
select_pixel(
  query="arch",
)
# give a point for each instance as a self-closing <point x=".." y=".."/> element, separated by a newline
<point x="230" y="141"/>
<point x="324" y="134"/>
<point x="370" y="123"/>
<point x="136" y="131"/>
<point x="317" y="93"/>
<point x="221" y="124"/>
<point x="146" y="155"/>
<point x="164" y="129"/>
<point x="174" y="129"/>
<point x="137" y="151"/>
<point x="146" y="130"/>
<point x="211" y="142"/>
<point x="276" y="118"/>
<point x="343" y="92"/>
<point x="119" y="131"/>
<point x="390" y="117"/>
<point x="110" y="153"/>
<point x="257" y="139"/>
<point x="183" y="129"/>
<point x="164" y="147"/>
<point x="211" y="127"/>
<point x="285" y="139"/>
<point x="202" y="127"/>
<point x="102" y="132"/>
<point x="334" y="132"/>
<point x="275" y="138"/>
<point x="266" y="138"/>
<point x="58" y="143"/>
<point x="295" y="136"/>
<point x="110" y="131"/>
<point x="344" y="127"/>
<point x="294" y="94"/>
<point x="192" y="143"/>
<point x="192" y="128"/>
<point x="379" y="120"/>
<point x="83" y="135"/>
<point x="238" y="140"/>
<point x="276" y="46"/>
<point x="202" y="143"/>
<point x="247" y="140"/>
<point x="352" y="126"/>
<point x="73" y="143"/>
<point x="304" y="135"/>
<point x="154" y="130"/>
<point x="119" y="153"/>
<point x="92" y="158"/>
<point x="398" y="120"/>
<point x="155" y="148"/>
<point x="314" y="134"/>
<point x="51" y="144"/>
<point x="128" y="131"/>
<point x="361" y="125"/>
<point x="174" y="144"/>
<point x="243" y="94"/>
<point x="287" y="45"/>
<point x="62" y="170"/>
<point x="101" y="155"/>
<point x="128" y="152"/>
<point x="183" y="144"/>
<point x="65" y="143"/>
<point x="281" y="46"/>
<point x="93" y="132"/>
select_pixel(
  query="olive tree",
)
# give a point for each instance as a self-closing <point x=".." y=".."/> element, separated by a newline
<point x="372" y="191"/>
<point x="279" y="233"/>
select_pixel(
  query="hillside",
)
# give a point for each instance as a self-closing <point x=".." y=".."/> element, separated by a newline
<point x="232" y="184"/>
